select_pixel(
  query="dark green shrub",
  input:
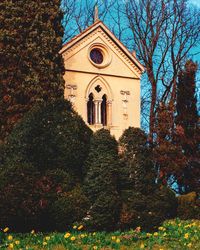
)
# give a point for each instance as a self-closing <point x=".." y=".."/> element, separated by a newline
<point x="65" y="202"/>
<point x="101" y="182"/>
<point x="44" y="202"/>
<point x="50" y="136"/>
<point x="20" y="206"/>
<point x="137" y="170"/>
<point x="148" y="211"/>
<point x="105" y="212"/>
<point x="145" y="203"/>
<point x="70" y="207"/>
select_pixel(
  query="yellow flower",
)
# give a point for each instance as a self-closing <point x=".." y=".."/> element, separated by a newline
<point x="95" y="247"/>
<point x="94" y="233"/>
<point x="80" y="227"/>
<point x="33" y="231"/>
<point x="148" y="234"/>
<point x="142" y="245"/>
<point x="17" y="242"/>
<point x="186" y="236"/>
<point x="161" y="249"/>
<point x="189" y="245"/>
<point x="10" y="237"/>
<point x="113" y="237"/>
<point x="82" y="235"/>
<point x="155" y="234"/>
<point x="44" y="243"/>
<point x="67" y="235"/>
<point x="161" y="228"/>
<point x="11" y="246"/>
<point x="47" y="238"/>
<point x="118" y="240"/>
<point x="72" y="238"/>
<point x="6" y="230"/>
<point x="74" y="227"/>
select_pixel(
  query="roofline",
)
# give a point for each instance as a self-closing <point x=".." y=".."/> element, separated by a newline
<point x="94" y="26"/>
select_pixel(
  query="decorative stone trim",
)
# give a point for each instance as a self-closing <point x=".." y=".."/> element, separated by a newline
<point x="114" y="45"/>
<point x="107" y="58"/>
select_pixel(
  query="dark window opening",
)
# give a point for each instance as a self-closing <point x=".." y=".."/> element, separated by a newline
<point x="98" y="88"/>
<point x="104" y="110"/>
<point x="96" y="56"/>
<point x="90" y="109"/>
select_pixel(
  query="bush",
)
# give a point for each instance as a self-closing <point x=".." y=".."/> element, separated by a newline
<point x="137" y="170"/>
<point x="101" y="182"/>
<point x="145" y="203"/>
<point x="70" y="207"/>
<point x="44" y="202"/>
<point x="20" y="207"/>
<point x="148" y="211"/>
<point x="50" y="136"/>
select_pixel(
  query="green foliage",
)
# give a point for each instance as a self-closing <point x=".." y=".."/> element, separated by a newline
<point x="69" y="208"/>
<point x="101" y="181"/>
<point x="137" y="171"/>
<point x="50" y="136"/>
<point x="148" y="211"/>
<point x="144" y="202"/>
<point x="31" y="66"/>
<point x="44" y="202"/>
<point x="47" y="148"/>
<point x="20" y="197"/>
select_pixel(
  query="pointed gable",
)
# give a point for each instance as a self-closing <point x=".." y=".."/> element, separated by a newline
<point x="98" y="33"/>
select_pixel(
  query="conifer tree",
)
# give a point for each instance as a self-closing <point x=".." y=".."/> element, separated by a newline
<point x="101" y="181"/>
<point x="31" y="67"/>
<point x="145" y="203"/>
<point x="136" y="171"/>
<point x="187" y="128"/>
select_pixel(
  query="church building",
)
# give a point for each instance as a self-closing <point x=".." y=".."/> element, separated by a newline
<point x="102" y="79"/>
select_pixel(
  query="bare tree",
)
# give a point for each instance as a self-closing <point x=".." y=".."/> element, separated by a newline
<point x="79" y="14"/>
<point x="164" y="32"/>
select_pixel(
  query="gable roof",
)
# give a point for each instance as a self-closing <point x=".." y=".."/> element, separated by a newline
<point x="90" y="29"/>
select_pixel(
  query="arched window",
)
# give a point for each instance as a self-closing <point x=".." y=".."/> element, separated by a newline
<point x="90" y="109"/>
<point x="104" y="110"/>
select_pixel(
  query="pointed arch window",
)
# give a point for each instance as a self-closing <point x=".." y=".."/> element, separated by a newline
<point x="91" y="109"/>
<point x="104" y="110"/>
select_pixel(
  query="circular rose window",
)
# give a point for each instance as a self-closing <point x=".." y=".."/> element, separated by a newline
<point x="96" y="56"/>
<point x="99" y="55"/>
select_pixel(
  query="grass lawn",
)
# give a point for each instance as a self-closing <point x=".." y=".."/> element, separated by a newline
<point x="174" y="234"/>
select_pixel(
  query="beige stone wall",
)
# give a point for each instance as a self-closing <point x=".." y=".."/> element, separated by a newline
<point x="118" y="80"/>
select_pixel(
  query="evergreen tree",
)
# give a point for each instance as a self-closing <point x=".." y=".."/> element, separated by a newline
<point x="31" y="66"/>
<point x="51" y="135"/>
<point x="136" y="171"/>
<point x="145" y="203"/>
<point x="187" y="128"/>
<point x="101" y="181"/>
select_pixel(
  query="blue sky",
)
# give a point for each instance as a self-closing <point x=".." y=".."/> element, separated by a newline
<point x="196" y="2"/>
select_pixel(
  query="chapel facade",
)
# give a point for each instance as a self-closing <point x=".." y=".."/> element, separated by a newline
<point x="102" y="80"/>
